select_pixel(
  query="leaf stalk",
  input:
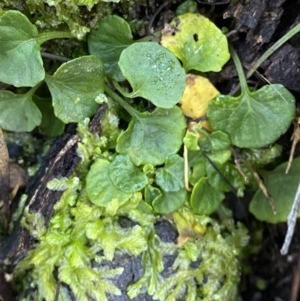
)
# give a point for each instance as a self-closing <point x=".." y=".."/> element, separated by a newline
<point x="121" y="102"/>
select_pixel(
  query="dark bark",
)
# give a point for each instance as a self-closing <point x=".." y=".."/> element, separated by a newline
<point x="61" y="160"/>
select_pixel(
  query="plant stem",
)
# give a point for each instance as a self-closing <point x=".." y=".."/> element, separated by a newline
<point x="121" y="102"/>
<point x="46" y="36"/>
<point x="55" y="57"/>
<point x="33" y="89"/>
<point x="239" y="69"/>
<point x="272" y="49"/>
<point x="120" y="90"/>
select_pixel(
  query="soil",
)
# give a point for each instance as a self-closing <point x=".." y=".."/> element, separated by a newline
<point x="254" y="26"/>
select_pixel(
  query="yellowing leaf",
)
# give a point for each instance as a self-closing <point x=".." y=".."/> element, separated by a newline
<point x="197" y="42"/>
<point x="197" y="94"/>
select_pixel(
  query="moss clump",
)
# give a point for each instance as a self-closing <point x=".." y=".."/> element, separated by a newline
<point x="82" y="238"/>
<point x="78" y="15"/>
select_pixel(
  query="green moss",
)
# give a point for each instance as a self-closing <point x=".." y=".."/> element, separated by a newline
<point x="80" y="234"/>
<point x="77" y="15"/>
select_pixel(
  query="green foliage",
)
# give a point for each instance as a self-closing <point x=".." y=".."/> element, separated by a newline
<point x="115" y="181"/>
<point x="159" y="165"/>
<point x="100" y="188"/>
<point x="264" y="114"/>
<point x="170" y="177"/>
<point x="148" y="139"/>
<point x="26" y="114"/>
<point x="125" y="176"/>
<point x="74" y="87"/>
<point x="253" y="119"/>
<point x="282" y="187"/>
<point x="153" y="73"/>
<point x="22" y="49"/>
<point x="205" y="199"/>
<point x="107" y="42"/>
<point x="78" y="16"/>
<point x="50" y="124"/>
<point x="188" y="6"/>
<point x="80" y="231"/>
<point x="169" y="201"/>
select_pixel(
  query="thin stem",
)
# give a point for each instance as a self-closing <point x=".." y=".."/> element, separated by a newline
<point x="121" y="102"/>
<point x="186" y="168"/>
<point x="239" y="69"/>
<point x="46" y="36"/>
<point x="272" y="49"/>
<point x="55" y="57"/>
<point x="120" y="89"/>
<point x="33" y="89"/>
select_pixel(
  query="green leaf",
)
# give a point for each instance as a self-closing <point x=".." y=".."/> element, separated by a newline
<point x="170" y="201"/>
<point x="125" y="176"/>
<point x="197" y="42"/>
<point x="154" y="73"/>
<point x="108" y="41"/>
<point x="282" y="187"/>
<point x="261" y="157"/>
<point x="74" y="88"/>
<point x="152" y="137"/>
<point x="197" y="163"/>
<point x="205" y="199"/>
<point x="230" y="172"/>
<point x="188" y="6"/>
<point x="220" y="157"/>
<point x="171" y="176"/>
<point x="190" y="140"/>
<point x="254" y="119"/>
<point x="21" y="62"/>
<point x="216" y="141"/>
<point x="50" y="125"/>
<point x="151" y="193"/>
<point x="18" y="113"/>
<point x="99" y="186"/>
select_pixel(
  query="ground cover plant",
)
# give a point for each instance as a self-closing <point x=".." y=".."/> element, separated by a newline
<point x="170" y="149"/>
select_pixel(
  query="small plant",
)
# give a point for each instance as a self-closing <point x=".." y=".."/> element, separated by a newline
<point x="162" y="165"/>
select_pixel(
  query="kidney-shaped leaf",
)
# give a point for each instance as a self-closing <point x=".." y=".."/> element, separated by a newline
<point x="205" y="199"/>
<point x="216" y="141"/>
<point x="125" y="176"/>
<point x="108" y="41"/>
<point x="253" y="119"/>
<point x="74" y="88"/>
<point x="21" y="62"/>
<point x="171" y="176"/>
<point x="152" y="137"/>
<point x="197" y="42"/>
<point x="170" y="201"/>
<point x="154" y="73"/>
<point x="18" y="113"/>
<point x="282" y="187"/>
<point x="100" y="188"/>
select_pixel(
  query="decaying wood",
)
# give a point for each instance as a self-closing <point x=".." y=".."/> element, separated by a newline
<point x="4" y="180"/>
<point x="61" y="160"/>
